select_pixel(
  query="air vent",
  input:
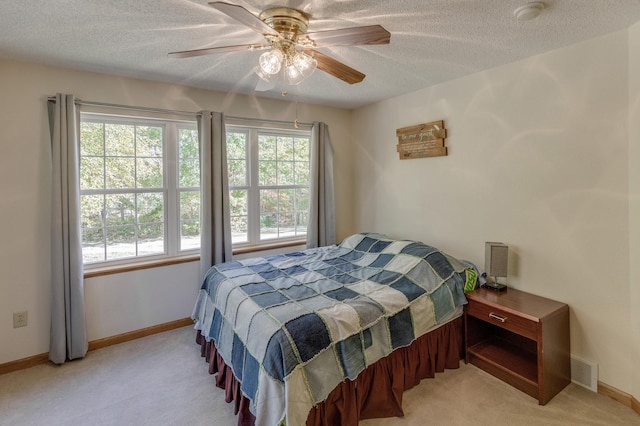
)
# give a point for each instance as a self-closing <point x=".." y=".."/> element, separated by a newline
<point x="584" y="373"/>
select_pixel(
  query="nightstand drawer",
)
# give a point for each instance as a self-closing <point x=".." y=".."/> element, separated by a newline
<point x="503" y="319"/>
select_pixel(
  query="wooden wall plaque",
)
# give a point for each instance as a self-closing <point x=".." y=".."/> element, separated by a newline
<point x="422" y="140"/>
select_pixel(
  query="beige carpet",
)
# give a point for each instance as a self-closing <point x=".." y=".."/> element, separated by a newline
<point x="161" y="380"/>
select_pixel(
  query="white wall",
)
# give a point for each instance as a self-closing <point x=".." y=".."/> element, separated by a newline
<point x="634" y="199"/>
<point x="538" y="159"/>
<point x="115" y="303"/>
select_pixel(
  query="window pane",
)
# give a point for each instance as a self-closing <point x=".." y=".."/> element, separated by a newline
<point x="301" y="173"/>
<point x="120" y="172"/>
<point x="268" y="226"/>
<point x="285" y="149"/>
<point x="239" y="215"/>
<point x="151" y="223"/>
<point x="149" y="172"/>
<point x="267" y="148"/>
<point x="149" y="141"/>
<point x="286" y="224"/>
<point x="285" y="173"/>
<point x="151" y="208"/>
<point x="239" y="229"/>
<point x="121" y="242"/>
<point x="238" y="202"/>
<point x="237" y="146"/>
<point x="119" y="140"/>
<point x="267" y="173"/>
<point x="301" y="149"/>
<point x="189" y="220"/>
<point x="237" y="172"/>
<point x="91" y="218"/>
<point x="286" y="200"/>
<point x="302" y="210"/>
<point x="286" y="213"/>
<point x="302" y="220"/>
<point x="93" y="248"/>
<point x="92" y="137"/>
<point x="91" y="209"/>
<point x="190" y="205"/>
<point x="120" y="209"/>
<point x="92" y="245"/>
<point x="189" y="235"/>
<point x="269" y="201"/>
<point x="91" y="172"/>
<point x="237" y="159"/>
<point x="151" y="239"/>
<point x="268" y="214"/>
<point x="302" y="199"/>
<point x="188" y="146"/>
<point x="188" y="158"/>
<point x="189" y="173"/>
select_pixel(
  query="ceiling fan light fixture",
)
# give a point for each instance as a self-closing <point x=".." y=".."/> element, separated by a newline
<point x="292" y="75"/>
<point x="306" y="64"/>
<point x="299" y="68"/>
<point x="263" y="75"/>
<point x="271" y="61"/>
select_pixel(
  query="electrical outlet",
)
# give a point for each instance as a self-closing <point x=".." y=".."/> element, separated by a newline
<point x="19" y="319"/>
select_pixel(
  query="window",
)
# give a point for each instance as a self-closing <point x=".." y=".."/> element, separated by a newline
<point x="139" y="188"/>
<point x="268" y="184"/>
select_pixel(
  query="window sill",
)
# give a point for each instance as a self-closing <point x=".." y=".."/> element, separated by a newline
<point x="108" y="270"/>
<point x="268" y="246"/>
<point x="118" y="269"/>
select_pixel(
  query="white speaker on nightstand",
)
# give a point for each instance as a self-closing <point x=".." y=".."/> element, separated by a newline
<point x="496" y="256"/>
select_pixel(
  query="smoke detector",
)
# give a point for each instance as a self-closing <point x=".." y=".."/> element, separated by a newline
<point x="529" y="11"/>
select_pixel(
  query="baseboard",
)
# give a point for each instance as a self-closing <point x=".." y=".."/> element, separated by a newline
<point x="620" y="396"/>
<point x="23" y="363"/>
<point x="138" y="334"/>
<point x="32" y="361"/>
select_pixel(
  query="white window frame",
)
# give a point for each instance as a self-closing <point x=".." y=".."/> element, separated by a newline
<point x="253" y="187"/>
<point x="170" y="190"/>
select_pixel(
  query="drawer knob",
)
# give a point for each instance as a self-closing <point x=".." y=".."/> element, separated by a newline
<point x="497" y="317"/>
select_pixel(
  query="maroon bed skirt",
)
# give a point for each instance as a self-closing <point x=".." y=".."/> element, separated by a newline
<point x="375" y="393"/>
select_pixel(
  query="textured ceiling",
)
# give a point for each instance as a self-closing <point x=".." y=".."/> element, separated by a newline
<point x="431" y="40"/>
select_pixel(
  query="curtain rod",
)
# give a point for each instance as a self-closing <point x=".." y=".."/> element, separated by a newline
<point x="262" y="120"/>
<point x="174" y="112"/>
<point x="131" y="108"/>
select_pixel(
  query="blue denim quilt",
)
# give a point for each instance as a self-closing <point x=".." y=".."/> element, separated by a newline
<point x="292" y="327"/>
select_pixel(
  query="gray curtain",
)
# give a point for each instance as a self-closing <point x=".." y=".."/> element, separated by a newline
<point x="68" y="327"/>
<point x="215" y="231"/>
<point x="321" y="230"/>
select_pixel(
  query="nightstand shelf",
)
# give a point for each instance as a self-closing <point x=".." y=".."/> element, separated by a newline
<point x="507" y="362"/>
<point x="520" y="338"/>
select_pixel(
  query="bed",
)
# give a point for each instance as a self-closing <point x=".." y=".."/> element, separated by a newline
<point x="306" y="338"/>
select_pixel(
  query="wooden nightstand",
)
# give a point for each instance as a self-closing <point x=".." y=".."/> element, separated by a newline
<point x="520" y="338"/>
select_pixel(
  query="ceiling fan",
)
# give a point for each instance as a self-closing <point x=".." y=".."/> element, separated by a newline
<point x="290" y="48"/>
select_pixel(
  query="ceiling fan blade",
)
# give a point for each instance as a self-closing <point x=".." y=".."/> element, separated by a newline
<point x="336" y="68"/>
<point x="372" y="34"/>
<point x="221" y="49"/>
<point x="243" y="16"/>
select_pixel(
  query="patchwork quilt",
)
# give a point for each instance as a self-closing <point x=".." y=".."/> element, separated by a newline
<point x="293" y="326"/>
